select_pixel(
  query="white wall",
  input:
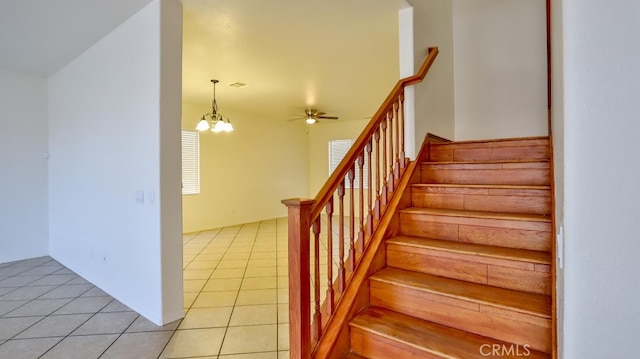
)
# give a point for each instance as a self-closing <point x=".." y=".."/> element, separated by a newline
<point x="246" y="173"/>
<point x="601" y="176"/>
<point x="23" y="168"/>
<point x="500" y="67"/>
<point x="109" y="109"/>
<point x="433" y="26"/>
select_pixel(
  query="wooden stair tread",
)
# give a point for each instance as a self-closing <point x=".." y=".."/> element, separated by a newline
<point x="476" y="214"/>
<point x="529" y="303"/>
<point x="488" y="162"/>
<point x="425" y="336"/>
<point x="522" y="255"/>
<point x="480" y="186"/>
<point x="353" y="356"/>
<point x="495" y="141"/>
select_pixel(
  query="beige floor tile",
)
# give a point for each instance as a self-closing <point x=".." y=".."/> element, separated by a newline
<point x="263" y="339"/>
<point x="38" y="307"/>
<point x="259" y="283"/>
<point x="210" y="257"/>
<point x="283" y="282"/>
<point x="12" y="326"/>
<point x="215" y="299"/>
<point x="241" y="255"/>
<point x="263" y="255"/>
<point x="106" y="323"/>
<point x="116" y="306"/>
<point x="253" y="272"/>
<point x="27" y="348"/>
<point x="42" y="270"/>
<point x="225" y="273"/>
<point x="81" y="347"/>
<point x="84" y="305"/>
<point x="283" y="354"/>
<point x="142" y="324"/>
<point x="206" y="318"/>
<point x="95" y="292"/>
<point x="194" y="343"/>
<point x="196" y="274"/>
<point x="283" y="313"/>
<point x="283" y="271"/>
<point x="138" y="345"/>
<point x="27" y="293"/>
<point x="262" y="263"/>
<point x="239" y="249"/>
<point x="232" y="263"/>
<point x="257" y="296"/>
<point x="193" y="285"/>
<point x="188" y="299"/>
<point x="216" y="285"/>
<point x="283" y="295"/>
<point x="202" y="265"/>
<point x="55" y="279"/>
<point x="55" y="326"/>
<point x="6" y="307"/>
<point x="254" y="315"/>
<point x="266" y="355"/>
<point x="67" y="291"/>
<point x="283" y="336"/>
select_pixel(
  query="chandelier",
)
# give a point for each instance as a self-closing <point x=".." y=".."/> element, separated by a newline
<point x="214" y="120"/>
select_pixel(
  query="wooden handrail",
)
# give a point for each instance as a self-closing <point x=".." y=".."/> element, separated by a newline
<point x="377" y="155"/>
<point x="345" y="165"/>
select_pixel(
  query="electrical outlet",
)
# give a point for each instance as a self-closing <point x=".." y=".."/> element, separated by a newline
<point x="140" y="197"/>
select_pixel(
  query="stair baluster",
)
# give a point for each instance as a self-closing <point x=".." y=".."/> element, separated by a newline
<point x="378" y="152"/>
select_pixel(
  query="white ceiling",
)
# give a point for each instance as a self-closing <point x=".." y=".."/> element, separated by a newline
<point x="38" y="37"/>
<point x="334" y="55"/>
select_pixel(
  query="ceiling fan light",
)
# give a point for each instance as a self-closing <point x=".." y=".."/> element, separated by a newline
<point x="203" y="125"/>
<point x="311" y="120"/>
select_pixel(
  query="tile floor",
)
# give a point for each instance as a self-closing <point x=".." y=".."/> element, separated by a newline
<point x="235" y="299"/>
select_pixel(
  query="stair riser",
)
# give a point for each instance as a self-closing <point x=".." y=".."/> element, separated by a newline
<point x="481" y="319"/>
<point x="378" y="347"/>
<point x="483" y="199"/>
<point x="529" y="174"/>
<point x="510" y="274"/>
<point x="494" y="151"/>
<point x="503" y="233"/>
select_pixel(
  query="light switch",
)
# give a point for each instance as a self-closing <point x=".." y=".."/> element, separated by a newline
<point x="151" y="197"/>
<point x="140" y="197"/>
<point x="560" y="247"/>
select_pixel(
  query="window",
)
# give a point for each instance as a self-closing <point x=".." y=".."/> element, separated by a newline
<point x="190" y="162"/>
<point x="337" y="150"/>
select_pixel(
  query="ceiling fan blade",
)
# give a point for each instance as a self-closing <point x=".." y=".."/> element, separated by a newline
<point x="328" y="117"/>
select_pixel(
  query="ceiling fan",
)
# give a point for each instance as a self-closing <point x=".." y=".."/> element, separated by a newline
<point x="312" y="116"/>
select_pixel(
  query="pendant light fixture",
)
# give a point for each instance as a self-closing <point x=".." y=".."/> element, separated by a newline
<point x="214" y="120"/>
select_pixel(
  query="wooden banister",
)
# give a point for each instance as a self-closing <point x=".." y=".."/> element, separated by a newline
<point x="376" y="162"/>
<point x="345" y="165"/>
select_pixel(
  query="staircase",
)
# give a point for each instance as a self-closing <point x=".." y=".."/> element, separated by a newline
<point x="468" y="269"/>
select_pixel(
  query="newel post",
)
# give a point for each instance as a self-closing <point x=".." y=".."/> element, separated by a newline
<point x="299" y="277"/>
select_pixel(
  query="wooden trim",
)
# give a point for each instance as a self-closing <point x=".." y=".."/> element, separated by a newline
<point x="344" y="167"/>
